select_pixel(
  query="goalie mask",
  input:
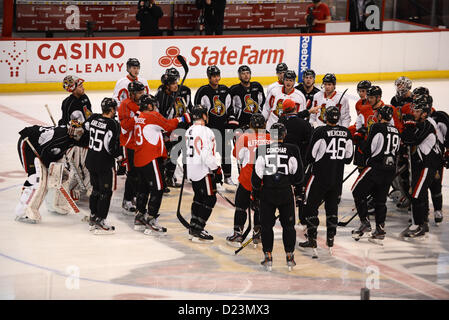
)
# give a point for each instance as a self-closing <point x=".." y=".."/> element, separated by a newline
<point x="70" y="83"/>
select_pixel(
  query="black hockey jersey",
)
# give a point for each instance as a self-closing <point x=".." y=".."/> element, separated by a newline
<point x="51" y="143"/>
<point x="218" y="103"/>
<point x="309" y="96"/>
<point x="277" y="166"/>
<point x="329" y="150"/>
<point x="247" y="101"/>
<point x="168" y="108"/>
<point x="74" y="108"/>
<point x="422" y="139"/>
<point x="382" y="146"/>
<point x="442" y="120"/>
<point x="104" y="143"/>
<point x="398" y="102"/>
<point x="299" y="132"/>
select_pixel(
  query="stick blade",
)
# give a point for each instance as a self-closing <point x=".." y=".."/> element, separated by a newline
<point x="183" y="63"/>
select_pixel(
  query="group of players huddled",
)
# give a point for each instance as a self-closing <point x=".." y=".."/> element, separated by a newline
<point x="291" y="145"/>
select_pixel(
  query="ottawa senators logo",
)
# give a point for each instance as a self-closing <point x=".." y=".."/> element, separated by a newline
<point x="251" y="106"/>
<point x="218" y="108"/>
<point x="322" y="115"/>
<point x="370" y="121"/>
<point x="180" y="108"/>
<point x="278" y="110"/>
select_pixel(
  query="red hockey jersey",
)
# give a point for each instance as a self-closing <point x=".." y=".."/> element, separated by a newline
<point x="126" y="112"/>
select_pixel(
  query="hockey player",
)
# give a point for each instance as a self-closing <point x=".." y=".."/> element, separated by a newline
<point x="272" y="109"/>
<point x="281" y="68"/>
<point x="277" y="168"/>
<point x="403" y="94"/>
<point x="104" y="147"/>
<point x="149" y="154"/>
<point x="420" y="136"/>
<point x="248" y="97"/>
<point x="38" y="147"/>
<point x="362" y="88"/>
<point x="441" y="118"/>
<point x="307" y="87"/>
<point x="127" y="113"/>
<point x="330" y="97"/>
<point x="330" y="149"/>
<point x="379" y="154"/>
<point x="244" y="152"/>
<point x="217" y="100"/>
<point x="171" y="109"/>
<point x="203" y="171"/>
<point x="77" y="105"/>
<point x="121" y="87"/>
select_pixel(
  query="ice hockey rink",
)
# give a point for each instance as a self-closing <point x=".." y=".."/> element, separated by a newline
<point x="60" y="259"/>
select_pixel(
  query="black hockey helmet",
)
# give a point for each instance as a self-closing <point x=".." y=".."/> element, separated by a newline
<point x="213" y="71"/>
<point x="386" y="112"/>
<point x="374" y="91"/>
<point x="132" y="62"/>
<point x="308" y="72"/>
<point x="290" y="74"/>
<point x="421" y="102"/>
<point x="278" y="130"/>
<point x="257" y="121"/>
<point x="364" y="84"/>
<point x="281" y="67"/>
<point x="420" y="91"/>
<point x="329" y="77"/>
<point x="198" y="111"/>
<point x="172" y="72"/>
<point x="147" y="99"/>
<point x="332" y="114"/>
<point x="243" y="68"/>
<point x="107" y="104"/>
<point x="135" y="86"/>
<point x="167" y="79"/>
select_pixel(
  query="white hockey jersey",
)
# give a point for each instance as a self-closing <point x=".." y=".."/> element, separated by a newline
<point x="200" y="152"/>
<point x="121" y="88"/>
<point x="276" y="84"/>
<point x="272" y="108"/>
<point x="319" y="99"/>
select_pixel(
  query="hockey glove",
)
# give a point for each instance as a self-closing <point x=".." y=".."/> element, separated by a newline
<point x="185" y="118"/>
<point x="299" y="196"/>
<point x="255" y="200"/>
<point x="232" y="123"/>
<point x="446" y="159"/>
<point x="360" y="134"/>
<point x="218" y="176"/>
<point x="409" y="120"/>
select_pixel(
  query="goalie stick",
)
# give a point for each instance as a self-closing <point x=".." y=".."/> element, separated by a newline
<point x="71" y="164"/>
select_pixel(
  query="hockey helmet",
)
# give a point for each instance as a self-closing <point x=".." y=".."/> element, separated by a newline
<point x="308" y="72"/>
<point x="257" y="121"/>
<point x="288" y="106"/>
<point x="329" y="77"/>
<point x="135" y="86"/>
<point x="278" y="130"/>
<point x="421" y="102"/>
<point x="70" y="83"/>
<point x="281" y="67"/>
<point x="364" y="84"/>
<point x="172" y="72"/>
<point x="420" y="91"/>
<point x="132" y="62"/>
<point x="332" y="114"/>
<point x="290" y="74"/>
<point x="147" y="99"/>
<point x="107" y="104"/>
<point x="374" y="91"/>
<point x="198" y="111"/>
<point x="168" y="79"/>
<point x="213" y="71"/>
<point x="403" y="85"/>
<point x="244" y="68"/>
<point x="386" y="112"/>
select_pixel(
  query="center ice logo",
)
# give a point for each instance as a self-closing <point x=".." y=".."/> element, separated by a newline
<point x="170" y="58"/>
<point x="13" y="60"/>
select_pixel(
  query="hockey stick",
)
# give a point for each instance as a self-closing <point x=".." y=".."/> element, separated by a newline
<point x="225" y="198"/>
<point x="71" y="164"/>
<point x="178" y="210"/>
<point x="248" y="241"/>
<point x="186" y="71"/>
<point x="248" y="229"/>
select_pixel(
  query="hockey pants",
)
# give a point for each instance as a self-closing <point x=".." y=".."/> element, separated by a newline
<point x="422" y="179"/>
<point x="151" y="185"/>
<point x="242" y="203"/>
<point x="204" y="200"/>
<point x="103" y="182"/>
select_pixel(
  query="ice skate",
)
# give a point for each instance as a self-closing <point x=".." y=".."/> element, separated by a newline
<point x="395" y="196"/>
<point x="172" y="183"/>
<point x="330" y="243"/>
<point x="257" y="237"/>
<point x="378" y="235"/>
<point x="229" y="181"/>
<point x="438" y="217"/>
<point x="91" y="222"/>
<point x="362" y="231"/>
<point x="290" y="257"/>
<point x="139" y="222"/>
<point x="236" y="239"/>
<point x="153" y="227"/>
<point x="101" y="227"/>
<point x="310" y="243"/>
<point x="129" y="209"/>
<point x="414" y="232"/>
<point x="403" y="203"/>
<point x="267" y="262"/>
<point x="200" y="236"/>
<point x="26" y="219"/>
